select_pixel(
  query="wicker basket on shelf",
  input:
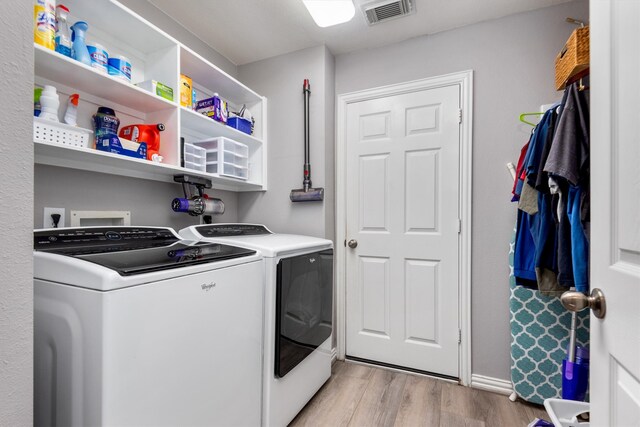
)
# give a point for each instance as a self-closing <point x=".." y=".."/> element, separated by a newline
<point x="573" y="58"/>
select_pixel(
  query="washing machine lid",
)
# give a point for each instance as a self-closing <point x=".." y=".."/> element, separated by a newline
<point x="133" y="250"/>
<point x="256" y="237"/>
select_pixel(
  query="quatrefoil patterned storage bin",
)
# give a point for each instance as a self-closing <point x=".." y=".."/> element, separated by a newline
<point x="539" y="338"/>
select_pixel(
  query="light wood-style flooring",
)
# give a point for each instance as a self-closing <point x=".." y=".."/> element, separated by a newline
<point x="364" y="396"/>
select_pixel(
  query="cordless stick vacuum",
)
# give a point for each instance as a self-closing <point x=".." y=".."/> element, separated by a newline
<point x="306" y="193"/>
<point x="196" y="203"/>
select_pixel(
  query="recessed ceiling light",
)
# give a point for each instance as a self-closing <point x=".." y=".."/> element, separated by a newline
<point x="330" y="12"/>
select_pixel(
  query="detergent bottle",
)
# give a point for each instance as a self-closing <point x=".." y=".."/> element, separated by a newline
<point x="79" y="52"/>
<point x="145" y="133"/>
<point x="49" y="103"/>
<point x="37" y="108"/>
<point x="105" y="124"/>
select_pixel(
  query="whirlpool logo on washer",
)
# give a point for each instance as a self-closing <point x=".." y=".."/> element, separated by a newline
<point x="312" y="260"/>
<point x="208" y="286"/>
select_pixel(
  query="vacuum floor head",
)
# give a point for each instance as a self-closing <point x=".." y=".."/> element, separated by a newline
<point x="312" y="195"/>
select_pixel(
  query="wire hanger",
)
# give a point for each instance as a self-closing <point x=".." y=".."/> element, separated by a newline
<point x="523" y="115"/>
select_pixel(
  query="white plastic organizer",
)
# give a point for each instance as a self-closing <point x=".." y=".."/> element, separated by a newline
<point x="226" y="157"/>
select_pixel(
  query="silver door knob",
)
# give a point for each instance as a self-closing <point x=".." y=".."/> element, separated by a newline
<point x="352" y="243"/>
<point x="576" y="301"/>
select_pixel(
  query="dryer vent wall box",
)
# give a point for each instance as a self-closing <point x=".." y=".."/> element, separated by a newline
<point x="110" y="302"/>
<point x="100" y="218"/>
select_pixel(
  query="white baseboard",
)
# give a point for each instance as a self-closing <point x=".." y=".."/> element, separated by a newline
<point x="495" y="385"/>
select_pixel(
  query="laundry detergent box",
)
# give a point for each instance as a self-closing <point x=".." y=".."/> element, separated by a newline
<point x="214" y="107"/>
<point x="158" y="88"/>
<point x="186" y="91"/>
<point x="112" y="144"/>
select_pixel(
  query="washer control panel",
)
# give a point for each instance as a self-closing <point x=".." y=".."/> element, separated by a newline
<point x="63" y="237"/>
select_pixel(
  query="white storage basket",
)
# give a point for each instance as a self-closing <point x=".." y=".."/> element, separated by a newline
<point x="195" y="157"/>
<point x="61" y="133"/>
<point x="226" y="157"/>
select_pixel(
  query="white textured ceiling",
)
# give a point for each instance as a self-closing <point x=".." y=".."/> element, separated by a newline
<point x="249" y="30"/>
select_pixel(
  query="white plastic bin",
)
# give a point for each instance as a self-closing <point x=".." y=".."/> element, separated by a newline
<point x="61" y="133"/>
<point x="564" y="413"/>
<point x="212" y="167"/>
<point x="226" y="157"/>
<point x="195" y="157"/>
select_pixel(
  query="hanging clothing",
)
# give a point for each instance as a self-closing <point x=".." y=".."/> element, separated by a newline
<point x="534" y="258"/>
<point x="535" y="251"/>
<point x="568" y="161"/>
<point x="552" y="190"/>
<point x="517" y="183"/>
<point x="579" y="242"/>
<point x="565" y="262"/>
<point x="569" y="154"/>
<point x="524" y="266"/>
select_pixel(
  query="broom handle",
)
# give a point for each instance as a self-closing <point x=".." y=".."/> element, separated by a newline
<point x="306" y="183"/>
<point x="572" y="337"/>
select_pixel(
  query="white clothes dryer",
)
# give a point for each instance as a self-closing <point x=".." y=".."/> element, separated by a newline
<point x="134" y="326"/>
<point x="298" y="312"/>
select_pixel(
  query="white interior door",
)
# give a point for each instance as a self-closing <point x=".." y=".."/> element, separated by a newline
<point x="615" y="234"/>
<point x="402" y="191"/>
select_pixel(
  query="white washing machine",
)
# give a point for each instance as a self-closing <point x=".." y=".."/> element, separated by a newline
<point x="134" y="327"/>
<point x="298" y="312"/>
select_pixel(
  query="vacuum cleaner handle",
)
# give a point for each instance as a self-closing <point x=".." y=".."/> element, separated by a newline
<point x="306" y="182"/>
<point x="306" y="193"/>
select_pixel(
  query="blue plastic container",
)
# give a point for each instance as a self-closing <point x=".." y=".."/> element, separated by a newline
<point x="240" y="123"/>
<point x="575" y="376"/>
<point x="119" y="66"/>
<point x="99" y="57"/>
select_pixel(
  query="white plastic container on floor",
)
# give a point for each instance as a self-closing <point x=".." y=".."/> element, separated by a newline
<point x="564" y="413"/>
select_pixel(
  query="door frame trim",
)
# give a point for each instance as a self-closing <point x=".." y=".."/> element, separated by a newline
<point x="465" y="80"/>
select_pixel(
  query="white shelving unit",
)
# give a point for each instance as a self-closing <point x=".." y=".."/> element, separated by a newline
<point x="153" y="55"/>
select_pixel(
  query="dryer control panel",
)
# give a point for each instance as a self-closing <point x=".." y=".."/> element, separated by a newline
<point x="232" y="230"/>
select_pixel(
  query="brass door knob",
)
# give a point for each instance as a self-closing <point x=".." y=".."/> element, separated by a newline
<point x="577" y="301"/>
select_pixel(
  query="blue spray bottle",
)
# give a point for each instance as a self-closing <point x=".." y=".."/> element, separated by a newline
<point x="80" y="51"/>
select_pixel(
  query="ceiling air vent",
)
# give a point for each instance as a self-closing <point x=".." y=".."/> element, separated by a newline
<point x="380" y="11"/>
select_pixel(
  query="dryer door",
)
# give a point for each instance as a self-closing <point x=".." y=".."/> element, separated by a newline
<point x="304" y="307"/>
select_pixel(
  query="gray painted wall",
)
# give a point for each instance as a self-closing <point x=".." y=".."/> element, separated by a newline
<point x="148" y="201"/>
<point x="280" y="80"/>
<point x="329" y="148"/>
<point x="163" y="21"/>
<point x="513" y="63"/>
<point x="16" y="265"/>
